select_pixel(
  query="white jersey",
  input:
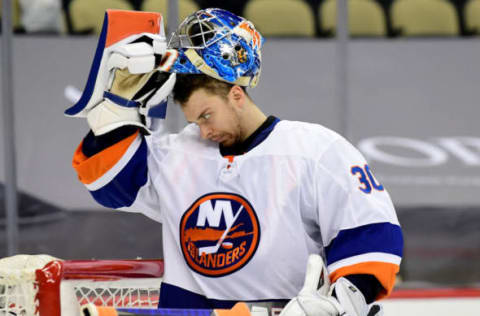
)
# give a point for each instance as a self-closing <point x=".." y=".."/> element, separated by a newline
<point x="242" y="228"/>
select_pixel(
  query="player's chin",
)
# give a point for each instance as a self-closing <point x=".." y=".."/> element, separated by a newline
<point x="227" y="141"/>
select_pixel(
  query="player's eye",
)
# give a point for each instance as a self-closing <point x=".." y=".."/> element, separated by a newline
<point x="206" y="116"/>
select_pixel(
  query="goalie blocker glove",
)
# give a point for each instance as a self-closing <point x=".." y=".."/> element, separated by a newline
<point x="131" y="101"/>
<point x="129" y="80"/>
<point x="315" y="298"/>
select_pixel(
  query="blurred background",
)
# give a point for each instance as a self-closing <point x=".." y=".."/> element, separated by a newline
<point x="402" y="83"/>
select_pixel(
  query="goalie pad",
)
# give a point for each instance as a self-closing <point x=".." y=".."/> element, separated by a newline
<point x="129" y="40"/>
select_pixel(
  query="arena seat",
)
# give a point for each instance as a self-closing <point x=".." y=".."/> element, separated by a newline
<point x="472" y="15"/>
<point x="281" y="17"/>
<point x="425" y="18"/>
<point x="16" y="21"/>
<point x="87" y="15"/>
<point x="366" y="18"/>
<point x="185" y="8"/>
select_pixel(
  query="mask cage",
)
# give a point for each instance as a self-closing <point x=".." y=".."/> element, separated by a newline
<point x="198" y="31"/>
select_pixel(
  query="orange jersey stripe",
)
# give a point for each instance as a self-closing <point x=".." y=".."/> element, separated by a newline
<point x="122" y="23"/>
<point x="383" y="271"/>
<point x="89" y="169"/>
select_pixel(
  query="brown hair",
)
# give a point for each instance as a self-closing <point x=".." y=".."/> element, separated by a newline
<point x="186" y="84"/>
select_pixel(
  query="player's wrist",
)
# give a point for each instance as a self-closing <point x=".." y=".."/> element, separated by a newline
<point x="92" y="145"/>
<point x="368" y="284"/>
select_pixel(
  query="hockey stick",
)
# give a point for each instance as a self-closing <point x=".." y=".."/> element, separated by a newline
<point x="240" y="309"/>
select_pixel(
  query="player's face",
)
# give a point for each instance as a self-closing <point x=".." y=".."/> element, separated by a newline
<point x="217" y="118"/>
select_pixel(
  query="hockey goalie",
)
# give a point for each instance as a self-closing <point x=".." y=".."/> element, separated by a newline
<point x="246" y="200"/>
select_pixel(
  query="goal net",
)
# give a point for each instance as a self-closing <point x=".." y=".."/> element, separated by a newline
<point x="42" y="285"/>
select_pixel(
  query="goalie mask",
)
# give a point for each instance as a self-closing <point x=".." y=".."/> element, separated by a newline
<point x="219" y="44"/>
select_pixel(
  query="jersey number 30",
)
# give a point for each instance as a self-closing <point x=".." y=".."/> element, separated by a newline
<point x="366" y="178"/>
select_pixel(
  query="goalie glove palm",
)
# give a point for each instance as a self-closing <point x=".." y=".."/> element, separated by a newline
<point x="315" y="298"/>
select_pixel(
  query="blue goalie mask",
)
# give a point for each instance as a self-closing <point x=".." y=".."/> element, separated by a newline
<point x="219" y="44"/>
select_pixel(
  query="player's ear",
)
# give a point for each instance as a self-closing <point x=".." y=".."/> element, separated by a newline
<point x="237" y="95"/>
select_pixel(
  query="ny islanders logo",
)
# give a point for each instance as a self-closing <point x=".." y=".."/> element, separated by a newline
<point x="219" y="234"/>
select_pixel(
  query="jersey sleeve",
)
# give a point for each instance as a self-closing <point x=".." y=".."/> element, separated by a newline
<point x="359" y="227"/>
<point x="119" y="176"/>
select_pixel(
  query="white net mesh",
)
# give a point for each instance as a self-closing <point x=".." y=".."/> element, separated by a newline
<point x="17" y="283"/>
<point x="136" y="293"/>
<point x="19" y="288"/>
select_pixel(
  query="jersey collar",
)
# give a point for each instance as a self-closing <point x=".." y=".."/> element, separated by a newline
<point x="253" y="140"/>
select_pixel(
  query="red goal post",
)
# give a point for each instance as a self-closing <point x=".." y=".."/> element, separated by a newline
<point x="42" y="285"/>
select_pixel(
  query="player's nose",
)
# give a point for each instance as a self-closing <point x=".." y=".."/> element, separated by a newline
<point x="205" y="132"/>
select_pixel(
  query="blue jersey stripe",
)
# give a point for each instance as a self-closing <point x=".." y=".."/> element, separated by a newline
<point x="172" y="296"/>
<point x="379" y="237"/>
<point x="122" y="190"/>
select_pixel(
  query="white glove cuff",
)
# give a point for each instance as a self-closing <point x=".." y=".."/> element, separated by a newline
<point x="107" y="116"/>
